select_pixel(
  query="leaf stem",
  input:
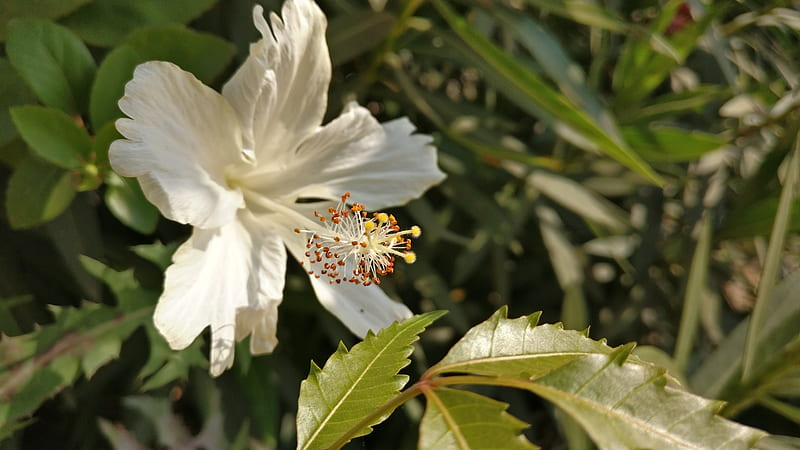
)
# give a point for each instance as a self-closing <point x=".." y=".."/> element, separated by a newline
<point x="421" y="387"/>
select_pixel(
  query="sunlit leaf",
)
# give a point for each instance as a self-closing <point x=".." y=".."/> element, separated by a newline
<point x="464" y="420"/>
<point x="354" y="383"/>
<point x="620" y="401"/>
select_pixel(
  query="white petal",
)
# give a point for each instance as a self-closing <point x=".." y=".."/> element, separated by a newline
<point x="380" y="165"/>
<point x="230" y="278"/>
<point x="360" y="308"/>
<point x="281" y="91"/>
<point x="181" y="138"/>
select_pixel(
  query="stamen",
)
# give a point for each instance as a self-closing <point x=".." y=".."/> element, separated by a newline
<point x="357" y="247"/>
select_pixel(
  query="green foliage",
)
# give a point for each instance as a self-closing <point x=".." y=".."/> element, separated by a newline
<point x="54" y="63"/>
<point x="629" y="166"/>
<point x="548" y="104"/>
<point x="37" y="192"/>
<point x="333" y="399"/>
<point x="53" y="135"/>
<point x="457" y="419"/>
<point x="47" y="9"/>
<point x="107" y="22"/>
<point x="12" y="92"/>
<point x="202" y="54"/>
<point x="619" y="400"/>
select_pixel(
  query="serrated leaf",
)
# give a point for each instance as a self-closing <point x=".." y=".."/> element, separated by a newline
<point x="99" y="354"/>
<point x="130" y="295"/>
<point x="620" y="401"/>
<point x="54" y="63"/>
<point x="165" y="365"/>
<point x="202" y="54"/>
<point x="41" y="384"/>
<point x="354" y="383"/>
<point x="517" y="348"/>
<point x="37" y="192"/>
<point x="157" y="253"/>
<point x="107" y="22"/>
<point x="464" y="420"/>
<point x="621" y="404"/>
<point x="53" y="135"/>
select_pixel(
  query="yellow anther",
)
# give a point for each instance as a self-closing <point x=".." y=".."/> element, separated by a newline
<point x="369" y="226"/>
<point x="383" y="217"/>
<point x="410" y="257"/>
<point x="416" y="231"/>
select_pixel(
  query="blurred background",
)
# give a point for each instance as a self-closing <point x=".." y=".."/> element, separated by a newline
<point x="623" y="166"/>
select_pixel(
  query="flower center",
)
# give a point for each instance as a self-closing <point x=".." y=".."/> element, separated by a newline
<point x="356" y="247"/>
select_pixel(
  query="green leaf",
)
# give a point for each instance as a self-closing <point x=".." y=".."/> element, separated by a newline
<point x="37" y="192"/>
<point x="620" y="401"/>
<point x="568" y="76"/>
<point x="622" y="404"/>
<point x="645" y="63"/>
<point x="567" y="265"/>
<point x="720" y="374"/>
<point x="354" y="383"/>
<point x="53" y="62"/>
<point x="78" y="338"/>
<point x="128" y="204"/>
<point x="773" y="260"/>
<point x="39" y="385"/>
<point x="571" y="123"/>
<point x="100" y="144"/>
<point x="579" y="199"/>
<point x="202" y="54"/>
<point x="350" y="35"/>
<point x="46" y="9"/>
<point x="517" y="348"/>
<point x="53" y="135"/>
<point x="157" y="253"/>
<point x="695" y="293"/>
<point x="131" y="297"/>
<point x="464" y="420"/>
<point x="582" y="11"/>
<point x="670" y="144"/>
<point x="106" y="22"/>
<point x="13" y="91"/>
<point x="99" y="354"/>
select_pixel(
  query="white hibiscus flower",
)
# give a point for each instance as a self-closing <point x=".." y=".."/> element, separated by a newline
<point x="240" y="168"/>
